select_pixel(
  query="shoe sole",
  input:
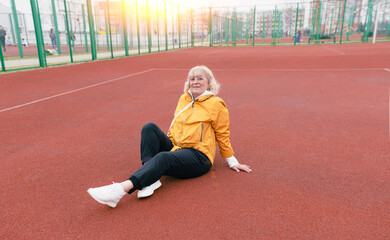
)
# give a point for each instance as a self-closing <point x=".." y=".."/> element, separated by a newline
<point x="113" y="205"/>
<point x="158" y="185"/>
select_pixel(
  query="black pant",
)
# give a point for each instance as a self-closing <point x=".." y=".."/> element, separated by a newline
<point x="54" y="43"/>
<point x="157" y="160"/>
<point x="2" y="40"/>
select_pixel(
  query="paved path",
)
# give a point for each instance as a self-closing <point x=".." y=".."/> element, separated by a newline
<point x="64" y="58"/>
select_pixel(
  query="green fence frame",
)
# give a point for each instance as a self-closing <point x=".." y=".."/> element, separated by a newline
<point x="179" y="26"/>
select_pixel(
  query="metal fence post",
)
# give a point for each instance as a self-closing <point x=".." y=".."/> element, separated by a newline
<point x="226" y="29"/>
<point x="158" y="29"/>
<point x="376" y="23"/>
<point x="71" y="28"/>
<point x="125" y="28"/>
<point x="109" y="27"/>
<point x="342" y="22"/>
<point x="106" y="30"/>
<point x="69" y="33"/>
<point x="313" y="23"/>
<point x="178" y="24"/>
<point x="338" y="18"/>
<point x="368" y="22"/>
<point x="210" y="29"/>
<point x="331" y="25"/>
<point x="58" y="42"/>
<point x="234" y="27"/>
<point x="319" y="23"/>
<point x="17" y="28"/>
<point x="2" y="59"/>
<point x="280" y="26"/>
<point x="296" y="25"/>
<point x="96" y="29"/>
<point x="148" y="27"/>
<point x="192" y="27"/>
<point x="274" y="27"/>
<point x="85" y="29"/>
<point x="254" y="24"/>
<point x="173" y="29"/>
<point x="131" y="36"/>
<point x="138" y="37"/>
<point x="388" y="29"/>
<point x="40" y="32"/>
<point x="40" y="48"/>
<point x="188" y="31"/>
<point x="166" y="26"/>
<point x="263" y="31"/>
<point x="350" y="22"/>
<point x="247" y="29"/>
<point x="91" y="30"/>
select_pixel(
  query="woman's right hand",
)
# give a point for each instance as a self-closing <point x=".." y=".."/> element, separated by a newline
<point x="241" y="167"/>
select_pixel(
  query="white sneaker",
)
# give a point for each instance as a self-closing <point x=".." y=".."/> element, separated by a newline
<point x="149" y="190"/>
<point x="110" y="194"/>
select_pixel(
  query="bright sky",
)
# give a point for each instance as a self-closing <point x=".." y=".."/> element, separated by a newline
<point x="24" y="5"/>
<point x="222" y="3"/>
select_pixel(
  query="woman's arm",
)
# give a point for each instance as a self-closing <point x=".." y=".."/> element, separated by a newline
<point x="222" y="132"/>
<point x="236" y="166"/>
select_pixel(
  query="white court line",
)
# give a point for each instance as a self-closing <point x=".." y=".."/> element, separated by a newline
<point x="341" y="53"/>
<point x="277" y="70"/>
<point x="76" y="90"/>
<point x="219" y="50"/>
<point x="387" y="69"/>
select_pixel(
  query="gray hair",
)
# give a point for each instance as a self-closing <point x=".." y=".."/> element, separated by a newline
<point x="203" y="70"/>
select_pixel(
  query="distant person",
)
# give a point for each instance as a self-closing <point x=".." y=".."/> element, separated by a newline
<point x="201" y="122"/>
<point x="299" y="37"/>
<point x="8" y="41"/>
<point x="2" y="37"/>
<point x="53" y="39"/>
<point x="73" y="38"/>
<point x="24" y="43"/>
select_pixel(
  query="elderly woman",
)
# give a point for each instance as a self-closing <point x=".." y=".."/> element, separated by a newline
<point x="201" y="121"/>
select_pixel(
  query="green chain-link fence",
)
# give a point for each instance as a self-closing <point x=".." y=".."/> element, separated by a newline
<point x="56" y="32"/>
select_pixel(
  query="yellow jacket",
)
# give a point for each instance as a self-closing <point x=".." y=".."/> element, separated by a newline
<point x="200" y="123"/>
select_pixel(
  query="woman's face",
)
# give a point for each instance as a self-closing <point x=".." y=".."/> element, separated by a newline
<point x="198" y="84"/>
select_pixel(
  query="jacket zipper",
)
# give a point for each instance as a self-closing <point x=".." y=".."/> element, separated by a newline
<point x="201" y="134"/>
<point x="192" y="109"/>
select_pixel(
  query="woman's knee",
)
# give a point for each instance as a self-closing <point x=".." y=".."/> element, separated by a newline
<point x="147" y="128"/>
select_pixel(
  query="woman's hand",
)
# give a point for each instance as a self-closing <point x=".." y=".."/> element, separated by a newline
<point x="242" y="167"/>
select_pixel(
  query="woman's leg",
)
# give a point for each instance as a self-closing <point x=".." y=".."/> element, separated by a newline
<point x="183" y="163"/>
<point x="190" y="163"/>
<point x="153" y="141"/>
<point x="127" y="185"/>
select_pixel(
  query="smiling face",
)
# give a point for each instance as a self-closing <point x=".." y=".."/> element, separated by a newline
<point x="198" y="84"/>
<point x="199" y="80"/>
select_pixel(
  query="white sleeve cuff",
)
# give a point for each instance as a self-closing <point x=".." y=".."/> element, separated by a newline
<point x="232" y="161"/>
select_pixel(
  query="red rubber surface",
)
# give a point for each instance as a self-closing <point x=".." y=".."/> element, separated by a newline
<point x="311" y="121"/>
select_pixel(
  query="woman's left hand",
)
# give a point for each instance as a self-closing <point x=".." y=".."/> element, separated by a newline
<point x="242" y="167"/>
